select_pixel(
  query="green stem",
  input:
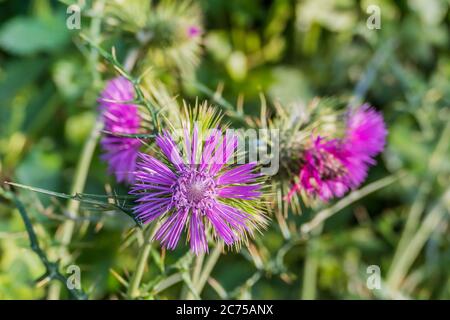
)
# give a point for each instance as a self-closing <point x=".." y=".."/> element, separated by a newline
<point x="80" y="180"/>
<point x="344" y="202"/>
<point x="52" y="268"/>
<point x="64" y="235"/>
<point x="204" y="275"/>
<point x="209" y="266"/>
<point x="399" y="270"/>
<point x="311" y="267"/>
<point x="309" y="276"/>
<point x="135" y="282"/>
<point x="418" y="206"/>
<point x="195" y="275"/>
<point x="197" y="267"/>
<point x="167" y="283"/>
<point x="66" y="232"/>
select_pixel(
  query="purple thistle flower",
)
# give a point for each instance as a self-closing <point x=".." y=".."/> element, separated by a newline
<point x="120" y="117"/>
<point x="332" y="167"/>
<point x="195" y="190"/>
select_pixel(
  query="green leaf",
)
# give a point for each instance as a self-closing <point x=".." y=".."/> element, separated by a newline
<point x="26" y="36"/>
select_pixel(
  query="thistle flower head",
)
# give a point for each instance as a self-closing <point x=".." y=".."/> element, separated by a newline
<point x="168" y="30"/>
<point x="119" y="117"/>
<point x="329" y="168"/>
<point x="194" y="187"/>
<point x="296" y="123"/>
<point x="179" y="25"/>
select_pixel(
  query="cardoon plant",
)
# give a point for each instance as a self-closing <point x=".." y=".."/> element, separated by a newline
<point x="331" y="167"/>
<point x="296" y="123"/>
<point x="195" y="186"/>
<point x="169" y="32"/>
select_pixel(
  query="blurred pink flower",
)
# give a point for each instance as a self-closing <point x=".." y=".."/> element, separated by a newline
<point x="120" y="117"/>
<point x="332" y="167"/>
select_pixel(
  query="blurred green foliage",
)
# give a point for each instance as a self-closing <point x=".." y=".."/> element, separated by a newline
<point x="290" y="50"/>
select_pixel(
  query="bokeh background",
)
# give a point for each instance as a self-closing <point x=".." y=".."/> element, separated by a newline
<point x="290" y="50"/>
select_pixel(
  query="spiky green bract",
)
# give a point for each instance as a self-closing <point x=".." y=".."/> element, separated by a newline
<point x="296" y="124"/>
<point x="169" y="31"/>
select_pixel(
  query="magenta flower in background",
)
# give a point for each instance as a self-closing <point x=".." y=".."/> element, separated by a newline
<point x="120" y="117"/>
<point x="366" y="132"/>
<point x="332" y="167"/>
<point x="193" y="31"/>
<point x="195" y="189"/>
<point x="323" y="172"/>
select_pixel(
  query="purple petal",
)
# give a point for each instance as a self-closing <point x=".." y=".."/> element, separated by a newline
<point x="168" y="147"/>
<point x="249" y="192"/>
<point x="240" y="174"/>
<point x="197" y="234"/>
<point x="170" y="231"/>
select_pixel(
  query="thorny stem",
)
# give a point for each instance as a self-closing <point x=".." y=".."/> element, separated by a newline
<point x="52" y="268"/>
<point x="92" y="199"/>
<point x="140" y="97"/>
